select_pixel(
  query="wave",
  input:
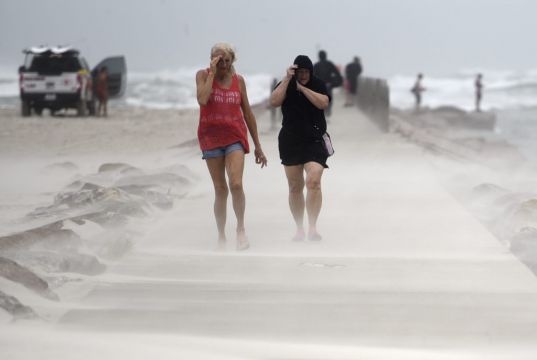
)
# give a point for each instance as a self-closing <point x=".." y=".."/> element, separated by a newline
<point x="160" y="90"/>
<point x="177" y="89"/>
<point x="502" y="90"/>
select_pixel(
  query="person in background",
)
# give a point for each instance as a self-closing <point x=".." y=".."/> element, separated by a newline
<point x="417" y="89"/>
<point x="303" y="98"/>
<point x="478" y="92"/>
<point x="352" y="72"/>
<point x="325" y="70"/>
<point x="225" y="117"/>
<point x="101" y="91"/>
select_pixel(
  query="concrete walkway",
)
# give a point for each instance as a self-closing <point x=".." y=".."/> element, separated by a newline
<point x="403" y="269"/>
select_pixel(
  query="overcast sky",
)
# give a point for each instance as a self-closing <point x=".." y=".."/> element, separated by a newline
<point x="391" y="36"/>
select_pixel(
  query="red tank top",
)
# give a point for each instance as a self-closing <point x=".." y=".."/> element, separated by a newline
<point x="221" y="119"/>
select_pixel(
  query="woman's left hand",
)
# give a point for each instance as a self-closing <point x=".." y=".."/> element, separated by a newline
<point x="260" y="157"/>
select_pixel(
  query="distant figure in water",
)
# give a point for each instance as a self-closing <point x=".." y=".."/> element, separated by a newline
<point x="353" y="71"/>
<point x="478" y="92"/>
<point x="101" y="91"/>
<point x="417" y="89"/>
<point x="303" y="98"/>
<point x="225" y="115"/>
<point x="325" y="70"/>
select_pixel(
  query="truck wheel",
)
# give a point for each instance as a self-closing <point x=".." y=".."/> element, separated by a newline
<point x="81" y="108"/>
<point x="26" y="110"/>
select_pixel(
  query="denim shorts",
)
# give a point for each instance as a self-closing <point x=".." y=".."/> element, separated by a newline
<point x="222" y="151"/>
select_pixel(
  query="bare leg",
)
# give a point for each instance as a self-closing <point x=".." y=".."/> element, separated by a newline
<point x="314" y="198"/>
<point x="295" y="179"/>
<point x="217" y="170"/>
<point x="349" y="100"/>
<point x="235" y="169"/>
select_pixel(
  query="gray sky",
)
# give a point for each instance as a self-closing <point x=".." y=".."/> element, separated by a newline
<point x="438" y="37"/>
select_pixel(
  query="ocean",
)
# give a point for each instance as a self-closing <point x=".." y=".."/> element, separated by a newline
<point x="512" y="95"/>
<point x="165" y="89"/>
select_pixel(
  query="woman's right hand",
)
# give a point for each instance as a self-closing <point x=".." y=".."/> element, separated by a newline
<point x="291" y="71"/>
<point x="214" y="62"/>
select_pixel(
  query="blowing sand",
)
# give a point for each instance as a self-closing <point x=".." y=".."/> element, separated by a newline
<point x="404" y="271"/>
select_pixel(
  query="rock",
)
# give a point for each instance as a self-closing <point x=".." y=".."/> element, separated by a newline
<point x="112" y="245"/>
<point x="166" y="180"/>
<point x="487" y="189"/>
<point x="57" y="262"/>
<point x="64" y="166"/>
<point x="88" y="194"/>
<point x="50" y="236"/>
<point x="119" y="167"/>
<point x="107" y="219"/>
<point x="15" y="308"/>
<point x="12" y="271"/>
<point x="107" y="206"/>
<point x="449" y="110"/>
<point x="524" y="245"/>
<point x="155" y="198"/>
<point x="525" y="214"/>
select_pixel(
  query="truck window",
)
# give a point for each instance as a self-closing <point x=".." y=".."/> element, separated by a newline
<point x="47" y="64"/>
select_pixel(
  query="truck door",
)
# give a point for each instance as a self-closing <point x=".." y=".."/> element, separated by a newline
<point x="117" y="75"/>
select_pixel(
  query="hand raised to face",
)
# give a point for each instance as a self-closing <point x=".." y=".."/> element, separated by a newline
<point x="291" y="71"/>
<point x="214" y="62"/>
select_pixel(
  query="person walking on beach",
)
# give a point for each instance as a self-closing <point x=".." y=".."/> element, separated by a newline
<point x="101" y="91"/>
<point x="303" y="98"/>
<point x="478" y="91"/>
<point x="325" y="70"/>
<point x="225" y="116"/>
<point x="417" y="89"/>
<point x="352" y="71"/>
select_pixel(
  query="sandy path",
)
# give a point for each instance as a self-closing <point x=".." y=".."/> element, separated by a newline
<point x="403" y="271"/>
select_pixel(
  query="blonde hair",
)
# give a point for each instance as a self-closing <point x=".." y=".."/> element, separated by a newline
<point x="227" y="49"/>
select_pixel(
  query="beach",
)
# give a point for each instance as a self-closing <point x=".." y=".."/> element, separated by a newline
<point x="115" y="216"/>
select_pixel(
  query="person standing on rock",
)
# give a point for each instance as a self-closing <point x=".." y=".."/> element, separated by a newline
<point x="303" y="98"/>
<point x="478" y="92"/>
<point x="225" y="117"/>
<point x="417" y="89"/>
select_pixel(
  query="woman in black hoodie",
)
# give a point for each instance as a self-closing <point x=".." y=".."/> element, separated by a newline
<point x="303" y="98"/>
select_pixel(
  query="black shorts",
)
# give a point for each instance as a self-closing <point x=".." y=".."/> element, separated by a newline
<point x="298" y="151"/>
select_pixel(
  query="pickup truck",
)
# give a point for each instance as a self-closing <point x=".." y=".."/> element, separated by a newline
<point x="58" y="78"/>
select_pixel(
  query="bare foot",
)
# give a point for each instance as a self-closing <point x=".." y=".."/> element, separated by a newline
<point x="300" y="235"/>
<point x="313" y="235"/>
<point x="242" y="240"/>
<point x="221" y="243"/>
<point x="221" y="246"/>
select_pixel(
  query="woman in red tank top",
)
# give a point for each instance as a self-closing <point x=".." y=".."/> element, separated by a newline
<point x="225" y="119"/>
